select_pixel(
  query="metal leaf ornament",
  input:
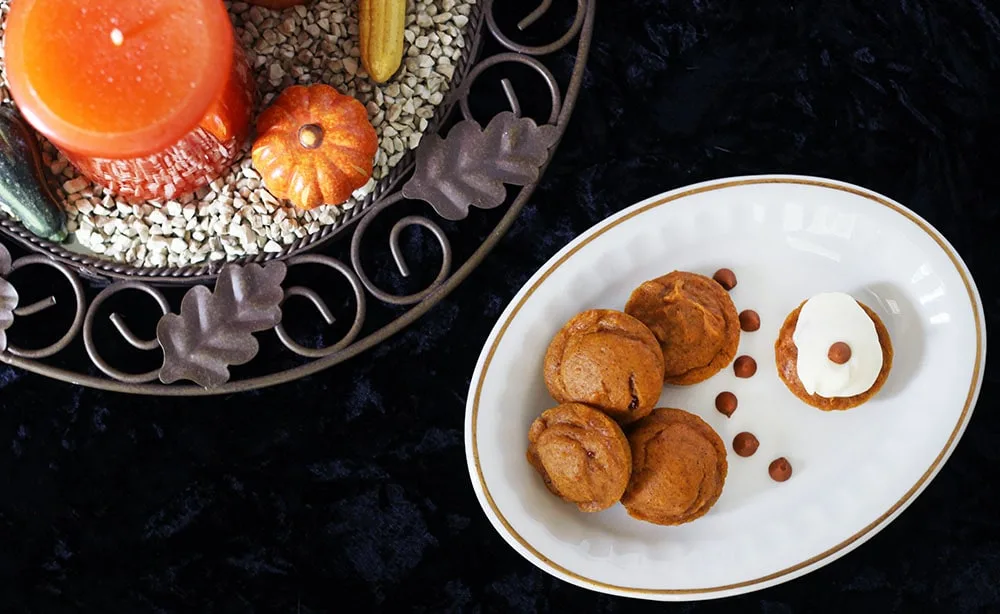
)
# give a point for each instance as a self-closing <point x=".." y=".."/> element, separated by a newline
<point x="6" y="262"/>
<point x="8" y="298"/>
<point x="470" y="167"/>
<point x="215" y="329"/>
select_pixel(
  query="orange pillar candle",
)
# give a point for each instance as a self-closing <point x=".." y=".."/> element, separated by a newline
<point x="149" y="98"/>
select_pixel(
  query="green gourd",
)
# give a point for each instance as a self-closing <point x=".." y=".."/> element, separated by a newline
<point x="23" y="188"/>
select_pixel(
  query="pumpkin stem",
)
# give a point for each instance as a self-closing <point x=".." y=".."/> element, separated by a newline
<point x="311" y="136"/>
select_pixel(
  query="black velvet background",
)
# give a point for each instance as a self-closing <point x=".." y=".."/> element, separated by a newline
<point x="348" y="491"/>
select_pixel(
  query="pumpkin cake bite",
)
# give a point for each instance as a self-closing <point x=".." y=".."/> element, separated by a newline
<point x="608" y="360"/>
<point x="581" y="454"/>
<point x="833" y="352"/>
<point x="678" y="468"/>
<point x="693" y="319"/>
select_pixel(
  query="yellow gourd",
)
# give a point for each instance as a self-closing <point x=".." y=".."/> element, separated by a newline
<point x="381" y="24"/>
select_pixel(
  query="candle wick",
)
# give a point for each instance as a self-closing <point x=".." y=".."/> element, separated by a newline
<point x="117" y="38"/>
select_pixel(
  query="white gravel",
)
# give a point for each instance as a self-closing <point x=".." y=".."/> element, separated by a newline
<point x="236" y="215"/>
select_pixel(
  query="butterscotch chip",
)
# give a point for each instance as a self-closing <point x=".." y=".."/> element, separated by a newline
<point x="745" y="366"/>
<point x="694" y="321"/>
<point x="749" y="320"/>
<point x="726" y="403"/>
<point x="581" y="454"/>
<point x="678" y="468"/>
<point x="606" y="359"/>
<point x="780" y="469"/>
<point x="745" y="444"/>
<point x="839" y="353"/>
<point x="786" y="357"/>
<point x="725" y="278"/>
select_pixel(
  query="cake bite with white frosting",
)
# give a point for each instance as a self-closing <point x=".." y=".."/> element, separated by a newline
<point x="833" y="352"/>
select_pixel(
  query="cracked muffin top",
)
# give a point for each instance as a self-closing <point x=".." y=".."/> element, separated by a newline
<point x="608" y="360"/>
<point x="694" y="321"/>
<point x="678" y="468"/>
<point x="581" y="454"/>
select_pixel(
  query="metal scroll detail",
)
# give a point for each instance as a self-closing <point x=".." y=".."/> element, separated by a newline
<point x="119" y="323"/>
<point x="478" y="163"/>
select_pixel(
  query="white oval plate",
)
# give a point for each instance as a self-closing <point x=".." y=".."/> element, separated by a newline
<point x="786" y="238"/>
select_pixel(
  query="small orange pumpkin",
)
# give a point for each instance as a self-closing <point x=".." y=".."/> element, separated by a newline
<point x="314" y="146"/>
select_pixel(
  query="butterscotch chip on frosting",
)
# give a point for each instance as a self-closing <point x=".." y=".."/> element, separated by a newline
<point x="608" y="360"/>
<point x="678" y="468"/>
<point x="694" y="320"/>
<point x="581" y="454"/>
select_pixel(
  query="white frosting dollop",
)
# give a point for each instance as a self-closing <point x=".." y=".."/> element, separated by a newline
<point x="825" y="319"/>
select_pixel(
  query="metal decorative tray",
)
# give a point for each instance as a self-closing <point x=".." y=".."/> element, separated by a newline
<point x="242" y="333"/>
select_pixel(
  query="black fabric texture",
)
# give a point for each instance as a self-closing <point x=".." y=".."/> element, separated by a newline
<point x="348" y="491"/>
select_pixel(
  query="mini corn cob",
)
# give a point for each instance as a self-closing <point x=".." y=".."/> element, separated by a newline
<point x="381" y="24"/>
